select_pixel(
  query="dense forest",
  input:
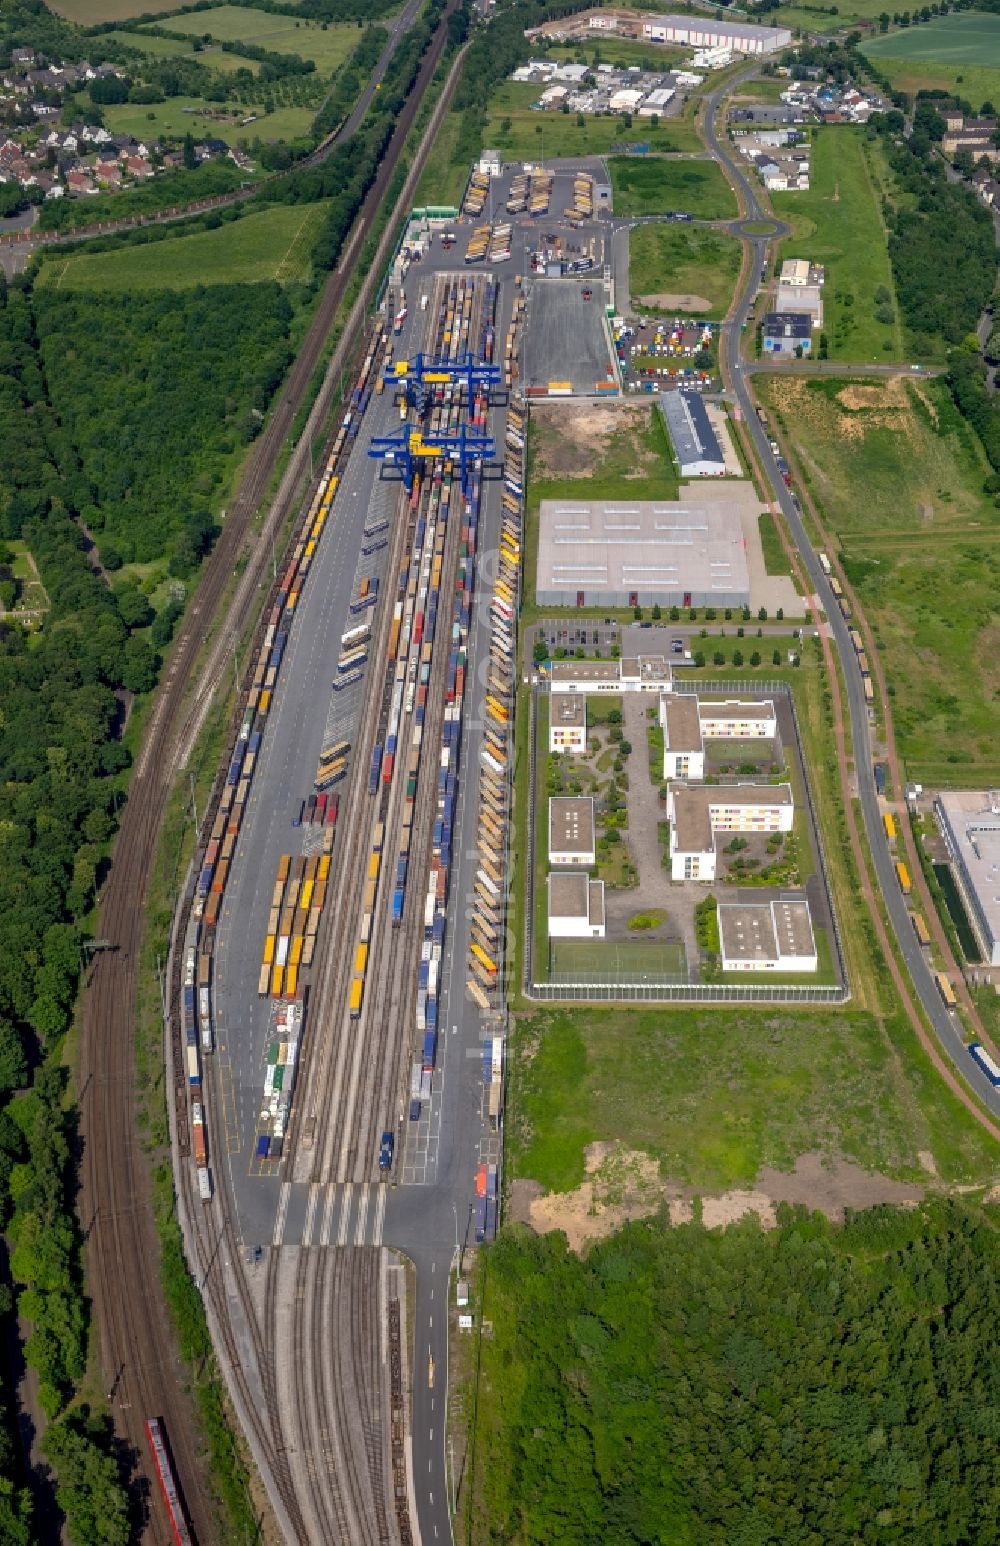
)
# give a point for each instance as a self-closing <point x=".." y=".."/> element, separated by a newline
<point x="813" y="1384"/>
<point x="156" y="392"/>
<point x="941" y="239"/>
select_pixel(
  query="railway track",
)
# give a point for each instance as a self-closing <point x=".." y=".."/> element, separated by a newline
<point x="144" y="1375"/>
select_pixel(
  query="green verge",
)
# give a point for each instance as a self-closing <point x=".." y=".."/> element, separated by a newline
<point x="522" y="132"/>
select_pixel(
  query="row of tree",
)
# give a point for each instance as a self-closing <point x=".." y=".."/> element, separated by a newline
<point x="809" y="1384"/>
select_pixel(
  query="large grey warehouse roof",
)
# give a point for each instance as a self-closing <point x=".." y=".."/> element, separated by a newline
<point x="660" y="547"/>
<point x="970" y="819"/>
<point x="690" y="430"/>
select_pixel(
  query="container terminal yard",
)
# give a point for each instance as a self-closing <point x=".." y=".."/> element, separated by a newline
<point x="338" y="1040"/>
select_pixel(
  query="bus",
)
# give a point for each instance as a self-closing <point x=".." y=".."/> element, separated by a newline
<point x="903" y="876"/>
<point x="979" y="1055"/>
<point x="921" y="930"/>
<point x="946" y="991"/>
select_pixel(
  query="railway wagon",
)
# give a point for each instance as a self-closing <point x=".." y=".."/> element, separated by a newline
<point x="167" y="1477"/>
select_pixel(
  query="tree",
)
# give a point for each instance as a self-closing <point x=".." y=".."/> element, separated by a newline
<point x="190" y="154"/>
<point x="88" y="1487"/>
<point x="737" y="657"/>
<point x="656" y="614"/>
<point x="755" y="658"/>
<point x="776" y="658"/>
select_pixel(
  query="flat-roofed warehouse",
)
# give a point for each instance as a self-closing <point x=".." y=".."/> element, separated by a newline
<point x="696" y="445"/>
<point x="767" y="936"/>
<point x="572" y="831"/>
<point x="706" y="32"/>
<point x="970" y="822"/>
<point x="626" y="553"/>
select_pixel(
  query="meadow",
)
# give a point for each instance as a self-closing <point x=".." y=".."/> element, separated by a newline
<point x="684" y="260"/>
<point x="532" y="133"/>
<point x="897" y="476"/>
<point x="178" y="48"/>
<point x="179" y="115"/>
<point x="652" y="186"/>
<point x="715" y="1095"/>
<point x="274" y="244"/>
<point x="87" y="13"/>
<point x="838" y="223"/>
<point x="328" y="45"/>
<point x="958" y="53"/>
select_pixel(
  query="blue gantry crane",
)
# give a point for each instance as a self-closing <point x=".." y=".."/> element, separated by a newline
<point x="426" y="370"/>
<point x="409" y="446"/>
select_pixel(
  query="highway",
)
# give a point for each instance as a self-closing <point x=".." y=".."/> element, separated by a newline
<point x="947" y="1027"/>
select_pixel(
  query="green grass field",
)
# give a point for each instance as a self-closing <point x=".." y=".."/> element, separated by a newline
<point x="175" y="117"/>
<point x="684" y="260"/>
<point x="535" y="134"/>
<point x="651" y="187"/>
<point x="716" y="1095"/>
<point x="87" y="13"/>
<point x="585" y="960"/>
<point x="898" y="477"/>
<point x="610" y="50"/>
<point x="176" y="48"/>
<point x="838" y="223"/>
<point x="328" y="46"/>
<point x="954" y="53"/>
<point x="275" y="244"/>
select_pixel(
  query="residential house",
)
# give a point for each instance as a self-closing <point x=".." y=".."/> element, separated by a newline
<point x="138" y="166"/>
<point x="80" y="181"/>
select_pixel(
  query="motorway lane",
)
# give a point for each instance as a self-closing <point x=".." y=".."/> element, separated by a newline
<point x="947" y="1027"/>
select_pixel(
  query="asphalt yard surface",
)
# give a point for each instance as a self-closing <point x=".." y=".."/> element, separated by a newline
<point x="567" y="338"/>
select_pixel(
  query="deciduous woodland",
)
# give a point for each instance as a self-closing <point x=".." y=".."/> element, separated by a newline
<point x="810" y="1384"/>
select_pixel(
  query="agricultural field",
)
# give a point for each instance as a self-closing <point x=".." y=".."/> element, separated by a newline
<point x="178" y="115"/>
<point x="274" y="244"/>
<point x="521" y="132"/>
<point x="681" y="267"/>
<point x="652" y="186"/>
<point x="328" y="45"/>
<point x="897" y="476"/>
<point x="953" y="53"/>
<point x="838" y="222"/>
<point x="87" y="13"/>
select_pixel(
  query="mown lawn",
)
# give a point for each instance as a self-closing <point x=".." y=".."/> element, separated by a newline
<point x="684" y="260"/>
<point x="651" y="186"/>
<point x="274" y="244"/>
<point x="327" y="44"/>
<point x="898" y="478"/>
<point x="838" y="223"/>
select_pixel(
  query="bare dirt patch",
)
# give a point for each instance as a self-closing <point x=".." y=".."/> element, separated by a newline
<point x="832" y="1185"/>
<point x="624" y="1184"/>
<point x="673" y="301"/>
<point x="574" y="441"/>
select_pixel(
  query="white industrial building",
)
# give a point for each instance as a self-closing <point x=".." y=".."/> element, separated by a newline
<point x="767" y="936"/>
<point x="656" y="101"/>
<point x="576" y="907"/>
<point x="567" y="722"/>
<point x="572" y="832"/>
<point x="642" y="673"/>
<point x="625" y="553"/>
<point x="696" y="445"/>
<point x="970" y="823"/>
<point x="626" y="100"/>
<point x="688" y="722"/>
<point x="699" y="812"/>
<point x="706" y="32"/>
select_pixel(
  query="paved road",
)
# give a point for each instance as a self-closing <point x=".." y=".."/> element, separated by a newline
<point x="947" y="1028"/>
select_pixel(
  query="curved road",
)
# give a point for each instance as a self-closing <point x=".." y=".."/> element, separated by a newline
<point x="947" y="1027"/>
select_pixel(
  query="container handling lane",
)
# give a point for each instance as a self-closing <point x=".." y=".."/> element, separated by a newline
<point x="946" y="1027"/>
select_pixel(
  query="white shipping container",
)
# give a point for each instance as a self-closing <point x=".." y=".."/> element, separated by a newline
<point x="269" y="1081"/>
<point x="429" y="910"/>
<point x="415" y="1076"/>
<point x="192" y="1062"/>
<point x="281" y="958"/>
<point x="426" y="1077"/>
<point x="421" y="1009"/>
<point x="432" y="979"/>
<point x="204" y="1183"/>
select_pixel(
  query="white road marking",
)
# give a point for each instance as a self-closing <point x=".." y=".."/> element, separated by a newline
<point x="314" y="1191"/>
<point x="345" y="1214"/>
<point x="281" y="1214"/>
